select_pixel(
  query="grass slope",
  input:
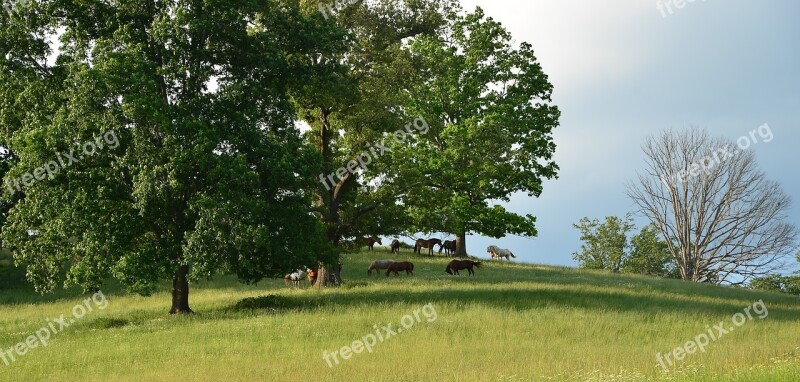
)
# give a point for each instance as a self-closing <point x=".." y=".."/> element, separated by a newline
<point x="511" y="322"/>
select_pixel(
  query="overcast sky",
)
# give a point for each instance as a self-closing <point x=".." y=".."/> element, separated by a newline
<point x="623" y="71"/>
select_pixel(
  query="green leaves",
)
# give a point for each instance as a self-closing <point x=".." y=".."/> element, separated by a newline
<point x="488" y="104"/>
<point x="210" y="171"/>
<point x="607" y="246"/>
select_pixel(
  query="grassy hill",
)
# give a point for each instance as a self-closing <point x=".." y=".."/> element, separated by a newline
<point x="510" y="322"/>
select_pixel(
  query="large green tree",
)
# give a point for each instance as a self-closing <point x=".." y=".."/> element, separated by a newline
<point x="354" y="101"/>
<point x="198" y="166"/>
<point x="488" y="104"/>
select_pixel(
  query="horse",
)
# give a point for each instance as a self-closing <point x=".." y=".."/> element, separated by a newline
<point x="395" y="246"/>
<point x="458" y="265"/>
<point x="370" y="241"/>
<point x="401" y="266"/>
<point x="312" y="276"/>
<point x="379" y="264"/>
<point x="296" y="277"/>
<point x="449" y="247"/>
<point x="426" y="244"/>
<point x="500" y="253"/>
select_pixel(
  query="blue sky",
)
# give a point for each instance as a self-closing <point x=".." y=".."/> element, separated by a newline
<point x="622" y="71"/>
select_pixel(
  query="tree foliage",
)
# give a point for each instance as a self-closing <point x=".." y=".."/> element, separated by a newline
<point x="777" y="283"/>
<point x="209" y="173"/>
<point x="491" y="121"/>
<point x="607" y="246"/>
<point x="352" y="110"/>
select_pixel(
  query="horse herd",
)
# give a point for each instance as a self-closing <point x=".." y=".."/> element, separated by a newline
<point x="449" y="247"/>
<point x="395" y="267"/>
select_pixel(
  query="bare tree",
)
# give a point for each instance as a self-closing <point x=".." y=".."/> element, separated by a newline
<point x="723" y="220"/>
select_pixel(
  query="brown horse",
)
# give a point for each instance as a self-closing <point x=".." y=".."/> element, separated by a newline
<point x="401" y="266"/>
<point x="396" y="246"/>
<point x="458" y="265"/>
<point x="449" y="247"/>
<point x="426" y="244"/>
<point x="312" y="276"/>
<point x="370" y="241"/>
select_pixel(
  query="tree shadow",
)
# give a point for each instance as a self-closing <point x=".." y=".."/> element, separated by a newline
<point x="511" y="298"/>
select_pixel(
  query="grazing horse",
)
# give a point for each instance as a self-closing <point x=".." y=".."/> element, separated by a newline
<point x="296" y="277"/>
<point x="426" y="244"/>
<point x="401" y="266"/>
<point x="395" y="246"/>
<point x="500" y="253"/>
<point x="458" y="265"/>
<point x="370" y="241"/>
<point x="379" y="264"/>
<point x="449" y="247"/>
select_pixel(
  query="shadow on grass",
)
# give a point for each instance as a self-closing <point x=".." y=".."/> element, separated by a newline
<point x="506" y="298"/>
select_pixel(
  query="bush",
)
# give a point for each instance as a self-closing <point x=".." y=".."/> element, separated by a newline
<point x="778" y="283"/>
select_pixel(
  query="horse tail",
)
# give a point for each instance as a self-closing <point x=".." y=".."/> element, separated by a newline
<point x="411" y="266"/>
<point x="512" y="254"/>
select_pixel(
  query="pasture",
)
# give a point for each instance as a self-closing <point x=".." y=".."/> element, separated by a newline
<point x="509" y="322"/>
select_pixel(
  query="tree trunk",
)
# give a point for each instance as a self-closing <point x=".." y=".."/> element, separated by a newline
<point x="461" y="245"/>
<point x="328" y="277"/>
<point x="180" y="291"/>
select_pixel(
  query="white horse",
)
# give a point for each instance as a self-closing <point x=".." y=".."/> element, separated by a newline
<point x="296" y="277"/>
<point x="500" y="253"/>
<point x="379" y="264"/>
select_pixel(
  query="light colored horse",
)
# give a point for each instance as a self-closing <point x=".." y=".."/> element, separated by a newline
<point x="500" y="253"/>
<point x="296" y="277"/>
<point x="379" y="264"/>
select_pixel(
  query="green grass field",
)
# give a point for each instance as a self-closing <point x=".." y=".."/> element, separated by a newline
<point x="511" y="322"/>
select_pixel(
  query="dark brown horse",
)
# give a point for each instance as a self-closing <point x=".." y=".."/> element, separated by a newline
<point x="370" y="242"/>
<point x="449" y="247"/>
<point x="459" y="265"/>
<point x="395" y="246"/>
<point x="426" y="244"/>
<point x="401" y="266"/>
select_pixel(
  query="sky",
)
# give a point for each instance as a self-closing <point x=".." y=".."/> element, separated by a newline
<point x="624" y="70"/>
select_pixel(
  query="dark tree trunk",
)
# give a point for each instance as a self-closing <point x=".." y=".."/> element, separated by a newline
<point x="180" y="291"/>
<point x="328" y="277"/>
<point x="461" y="245"/>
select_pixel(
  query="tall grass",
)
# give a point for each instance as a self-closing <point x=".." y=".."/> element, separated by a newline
<point x="510" y="322"/>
